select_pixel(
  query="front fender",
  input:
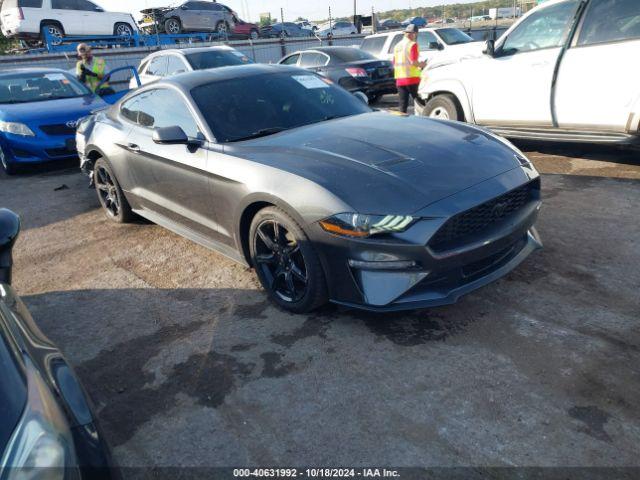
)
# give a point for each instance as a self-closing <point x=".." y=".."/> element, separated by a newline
<point x="430" y="86"/>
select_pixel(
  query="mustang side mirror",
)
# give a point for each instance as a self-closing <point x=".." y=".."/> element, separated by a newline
<point x="9" y="229"/>
<point x="489" y="48"/>
<point x="170" y="136"/>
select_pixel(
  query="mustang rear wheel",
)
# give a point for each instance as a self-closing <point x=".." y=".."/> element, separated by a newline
<point x="287" y="266"/>
<point x="110" y="194"/>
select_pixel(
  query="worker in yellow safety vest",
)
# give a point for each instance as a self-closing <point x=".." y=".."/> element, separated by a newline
<point x="407" y="66"/>
<point x="91" y="70"/>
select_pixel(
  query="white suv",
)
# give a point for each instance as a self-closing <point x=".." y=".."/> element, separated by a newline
<point x="27" y="19"/>
<point x="568" y="70"/>
<point x="436" y="45"/>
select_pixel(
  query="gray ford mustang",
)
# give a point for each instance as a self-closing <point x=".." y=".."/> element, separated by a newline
<point x="327" y="199"/>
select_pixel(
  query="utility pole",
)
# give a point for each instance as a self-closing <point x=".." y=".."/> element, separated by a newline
<point x="282" y="15"/>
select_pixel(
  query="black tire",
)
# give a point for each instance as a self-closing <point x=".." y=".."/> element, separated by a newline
<point x="290" y="272"/>
<point x="55" y="29"/>
<point x="8" y="167"/>
<point x="172" y="26"/>
<point x="110" y="195"/>
<point x="123" y="30"/>
<point x="222" y="28"/>
<point x="443" y="106"/>
<point x="373" y="98"/>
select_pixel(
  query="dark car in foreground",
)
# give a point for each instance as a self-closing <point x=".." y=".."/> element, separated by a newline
<point x="351" y="68"/>
<point x="278" y="168"/>
<point x="47" y="428"/>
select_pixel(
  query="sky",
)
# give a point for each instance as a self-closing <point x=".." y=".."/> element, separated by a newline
<point x="311" y="9"/>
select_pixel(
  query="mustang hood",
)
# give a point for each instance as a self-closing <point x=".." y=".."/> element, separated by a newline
<point x="51" y="111"/>
<point x="384" y="163"/>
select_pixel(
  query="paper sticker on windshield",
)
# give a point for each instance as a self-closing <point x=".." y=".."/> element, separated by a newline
<point x="309" y="81"/>
<point x="55" y="77"/>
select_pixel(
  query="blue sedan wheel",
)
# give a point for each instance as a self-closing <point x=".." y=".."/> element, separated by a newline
<point x="7" y="166"/>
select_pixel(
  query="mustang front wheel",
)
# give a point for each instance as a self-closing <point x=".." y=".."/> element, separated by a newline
<point x="110" y="194"/>
<point x="287" y="266"/>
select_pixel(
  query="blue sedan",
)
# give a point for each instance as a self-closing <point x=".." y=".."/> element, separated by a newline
<point x="39" y="110"/>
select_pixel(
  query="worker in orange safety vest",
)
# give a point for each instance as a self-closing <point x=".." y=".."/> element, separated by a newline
<point x="407" y="67"/>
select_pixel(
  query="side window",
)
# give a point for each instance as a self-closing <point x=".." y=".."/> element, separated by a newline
<point x="292" y="60"/>
<point x="312" y="59"/>
<point x="175" y="65"/>
<point x="158" y="66"/>
<point x="160" y="108"/>
<point x="373" y="45"/>
<point x="394" y="42"/>
<point x="425" y="39"/>
<point x="30" y="3"/>
<point x="142" y="66"/>
<point x="215" y="7"/>
<point x="610" y="21"/>
<point x="85" y="6"/>
<point x="130" y="109"/>
<point x="63" y="4"/>
<point x="546" y="28"/>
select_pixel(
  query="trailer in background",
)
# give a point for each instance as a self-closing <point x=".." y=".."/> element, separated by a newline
<point x="505" y="12"/>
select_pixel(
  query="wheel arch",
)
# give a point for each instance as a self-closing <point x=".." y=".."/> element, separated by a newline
<point x="51" y="21"/>
<point x="248" y="209"/>
<point x="451" y="87"/>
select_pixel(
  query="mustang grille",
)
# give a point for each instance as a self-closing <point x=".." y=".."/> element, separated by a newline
<point x="483" y="216"/>
<point x="59" y="129"/>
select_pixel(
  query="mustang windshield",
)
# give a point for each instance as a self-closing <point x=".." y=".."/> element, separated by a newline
<point x="37" y="87"/>
<point x="277" y="102"/>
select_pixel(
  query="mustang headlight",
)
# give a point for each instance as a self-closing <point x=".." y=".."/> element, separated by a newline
<point x="16" y="129"/>
<point x="359" y="225"/>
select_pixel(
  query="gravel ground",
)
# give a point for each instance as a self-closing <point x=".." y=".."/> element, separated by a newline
<point x="189" y="365"/>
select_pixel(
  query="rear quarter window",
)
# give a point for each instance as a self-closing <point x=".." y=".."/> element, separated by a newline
<point x="373" y="45"/>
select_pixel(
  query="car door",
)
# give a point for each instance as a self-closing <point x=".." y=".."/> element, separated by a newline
<point x="190" y="16"/>
<point x="514" y="86"/>
<point x="95" y="20"/>
<point x="71" y="19"/>
<point x="170" y="180"/>
<point x="599" y="77"/>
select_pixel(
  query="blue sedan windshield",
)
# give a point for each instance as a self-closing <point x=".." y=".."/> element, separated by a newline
<point x="37" y="87"/>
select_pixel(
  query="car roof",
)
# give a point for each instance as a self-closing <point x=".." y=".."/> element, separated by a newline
<point x="13" y="71"/>
<point x="190" y="80"/>
<point x="186" y="51"/>
<point x="395" y="32"/>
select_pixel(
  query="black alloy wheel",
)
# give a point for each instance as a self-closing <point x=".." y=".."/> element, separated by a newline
<point x="110" y="194"/>
<point x="286" y="265"/>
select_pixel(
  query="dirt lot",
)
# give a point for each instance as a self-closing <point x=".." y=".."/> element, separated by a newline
<point x="188" y="364"/>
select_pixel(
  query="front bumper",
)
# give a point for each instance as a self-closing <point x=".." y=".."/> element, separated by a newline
<point x="355" y="277"/>
<point x="27" y="150"/>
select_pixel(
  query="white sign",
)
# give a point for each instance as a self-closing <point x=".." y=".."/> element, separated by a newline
<point x="309" y="81"/>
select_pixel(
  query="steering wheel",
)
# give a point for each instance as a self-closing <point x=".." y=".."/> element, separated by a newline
<point x="531" y="46"/>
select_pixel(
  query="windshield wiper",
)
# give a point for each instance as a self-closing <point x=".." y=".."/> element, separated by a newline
<point x="262" y="133"/>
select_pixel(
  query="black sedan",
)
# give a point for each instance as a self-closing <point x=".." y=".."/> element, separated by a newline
<point x="351" y="68"/>
<point x="284" y="30"/>
<point x="279" y="168"/>
<point x="47" y="429"/>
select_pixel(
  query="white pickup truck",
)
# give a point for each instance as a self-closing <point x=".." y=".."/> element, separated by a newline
<point x="569" y="70"/>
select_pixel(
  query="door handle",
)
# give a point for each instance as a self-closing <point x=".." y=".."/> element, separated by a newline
<point x="133" y="147"/>
<point x="540" y="64"/>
